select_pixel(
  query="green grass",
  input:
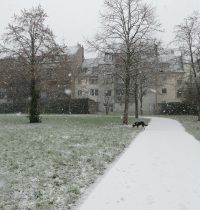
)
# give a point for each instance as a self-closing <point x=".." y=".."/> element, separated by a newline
<point x="50" y="164"/>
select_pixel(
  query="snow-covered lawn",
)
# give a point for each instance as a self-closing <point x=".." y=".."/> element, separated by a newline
<point x="159" y="171"/>
<point x="49" y="165"/>
<point x="190" y="123"/>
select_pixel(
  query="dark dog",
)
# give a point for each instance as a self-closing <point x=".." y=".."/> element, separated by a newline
<point x="140" y="123"/>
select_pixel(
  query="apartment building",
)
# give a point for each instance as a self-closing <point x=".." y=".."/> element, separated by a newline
<point x="99" y="82"/>
<point x="72" y="76"/>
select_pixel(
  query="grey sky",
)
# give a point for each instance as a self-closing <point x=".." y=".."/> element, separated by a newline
<point x="72" y="20"/>
<point x="172" y="12"/>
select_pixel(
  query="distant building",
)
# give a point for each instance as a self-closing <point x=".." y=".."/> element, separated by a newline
<point x="71" y="76"/>
<point x="98" y="82"/>
<point x="168" y="83"/>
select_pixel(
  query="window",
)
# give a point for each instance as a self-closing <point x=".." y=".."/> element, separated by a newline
<point x="119" y="92"/>
<point x="108" y="79"/>
<point x="82" y="81"/>
<point x="108" y="93"/>
<point x="164" y="90"/>
<point x="84" y="69"/>
<point x="93" y="80"/>
<point x="179" y="82"/>
<point x="80" y="92"/>
<point x="94" y="92"/>
<point x="108" y="57"/>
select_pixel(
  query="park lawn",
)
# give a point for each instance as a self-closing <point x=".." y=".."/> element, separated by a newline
<point x="50" y="164"/>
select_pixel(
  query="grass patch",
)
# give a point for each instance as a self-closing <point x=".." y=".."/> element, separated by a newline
<point x="50" y="164"/>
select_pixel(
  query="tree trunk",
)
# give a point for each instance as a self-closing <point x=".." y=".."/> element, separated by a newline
<point x="33" y="112"/>
<point x="107" y="109"/>
<point x="141" y="100"/>
<point x="126" y="99"/>
<point x="136" y="101"/>
<point x="69" y="108"/>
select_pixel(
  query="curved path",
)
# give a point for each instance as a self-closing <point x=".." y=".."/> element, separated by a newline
<point x="159" y="171"/>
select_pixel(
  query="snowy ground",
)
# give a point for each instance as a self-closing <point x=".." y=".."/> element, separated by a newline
<point x="190" y="123"/>
<point x="159" y="171"/>
<point x="48" y="166"/>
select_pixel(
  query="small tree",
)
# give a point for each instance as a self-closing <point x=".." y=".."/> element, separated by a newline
<point x="32" y="44"/>
<point x="188" y="39"/>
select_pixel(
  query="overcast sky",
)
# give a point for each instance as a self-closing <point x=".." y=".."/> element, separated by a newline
<point x="72" y="20"/>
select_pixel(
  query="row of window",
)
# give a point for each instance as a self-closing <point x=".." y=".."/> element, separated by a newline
<point x="107" y="79"/>
<point x="119" y="92"/>
<point x="178" y="93"/>
<point x="179" y="81"/>
<point x="95" y="92"/>
<point x="92" y="80"/>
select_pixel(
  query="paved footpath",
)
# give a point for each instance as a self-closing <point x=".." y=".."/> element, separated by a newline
<point x="159" y="171"/>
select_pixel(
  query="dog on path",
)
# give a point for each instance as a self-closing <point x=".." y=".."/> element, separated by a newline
<point x="140" y="123"/>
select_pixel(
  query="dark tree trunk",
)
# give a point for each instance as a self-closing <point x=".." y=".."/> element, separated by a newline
<point x="107" y="109"/>
<point x="136" y="101"/>
<point x="141" y="100"/>
<point x="69" y="108"/>
<point x="126" y="99"/>
<point x="33" y="112"/>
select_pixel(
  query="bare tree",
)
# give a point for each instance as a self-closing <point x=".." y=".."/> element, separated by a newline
<point x="32" y="44"/>
<point x="188" y="38"/>
<point x="125" y="25"/>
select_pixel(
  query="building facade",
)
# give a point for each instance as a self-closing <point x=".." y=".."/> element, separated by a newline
<point x="71" y="76"/>
<point x="98" y="81"/>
